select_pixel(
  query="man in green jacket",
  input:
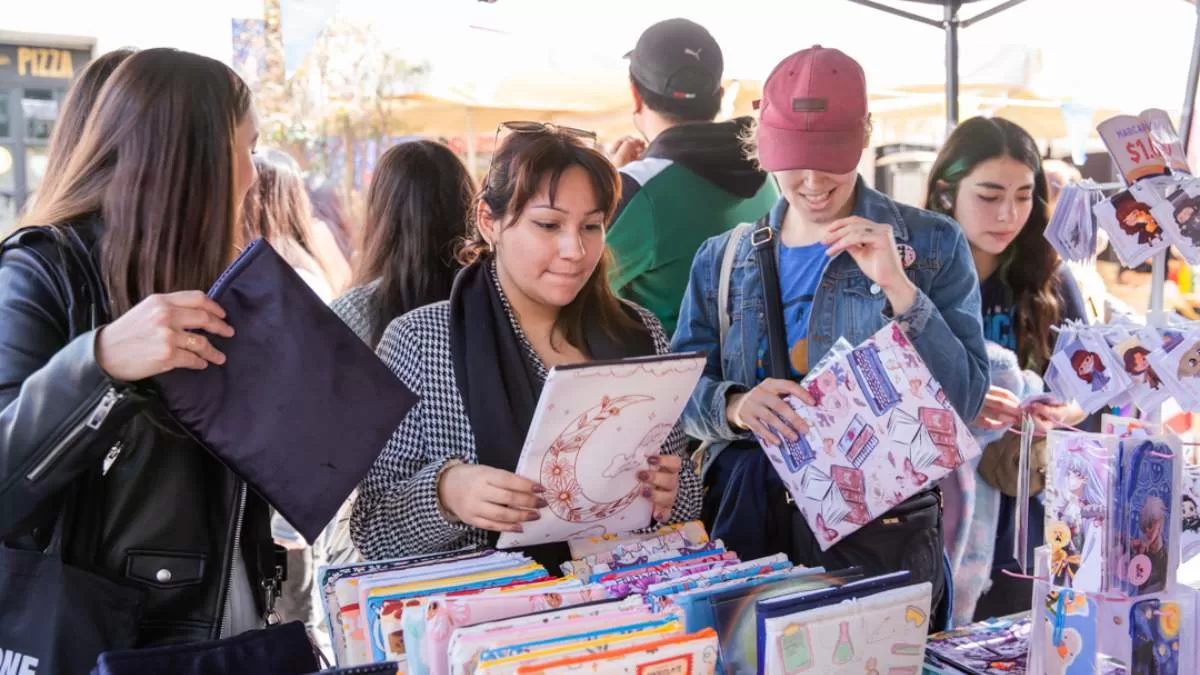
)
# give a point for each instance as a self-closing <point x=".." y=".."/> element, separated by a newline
<point x="692" y="182"/>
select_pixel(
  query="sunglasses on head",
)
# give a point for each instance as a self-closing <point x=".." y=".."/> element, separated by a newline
<point x="523" y="127"/>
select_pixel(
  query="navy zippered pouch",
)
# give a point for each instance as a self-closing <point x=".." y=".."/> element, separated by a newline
<point x="302" y="407"/>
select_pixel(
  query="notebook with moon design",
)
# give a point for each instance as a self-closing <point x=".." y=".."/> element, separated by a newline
<point x="594" y="428"/>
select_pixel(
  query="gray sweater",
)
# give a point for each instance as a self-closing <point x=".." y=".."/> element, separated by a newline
<point x="354" y="308"/>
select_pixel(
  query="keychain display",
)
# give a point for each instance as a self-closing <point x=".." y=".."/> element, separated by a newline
<point x="1072" y="227"/>
<point x="1086" y="369"/>
<point x="1125" y="363"/>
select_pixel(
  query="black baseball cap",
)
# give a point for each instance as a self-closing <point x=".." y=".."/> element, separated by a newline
<point x="677" y="59"/>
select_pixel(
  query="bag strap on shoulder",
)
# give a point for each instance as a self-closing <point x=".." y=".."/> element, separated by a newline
<point x="730" y="257"/>
<point x="763" y="240"/>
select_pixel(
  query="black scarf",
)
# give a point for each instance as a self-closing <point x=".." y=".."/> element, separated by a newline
<point x="498" y="384"/>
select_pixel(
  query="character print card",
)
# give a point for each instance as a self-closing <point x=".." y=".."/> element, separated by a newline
<point x="1189" y="508"/>
<point x="881" y="431"/>
<point x="1079" y="489"/>
<point x="1127" y="217"/>
<point x="1068" y="641"/>
<point x="1179" y="215"/>
<point x="1087" y="370"/>
<point x="1155" y="625"/>
<point x="595" y="427"/>
<point x="1149" y="513"/>
<point x="1177" y="364"/>
<point x="1148" y="391"/>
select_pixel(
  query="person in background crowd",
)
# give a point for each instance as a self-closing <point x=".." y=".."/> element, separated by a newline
<point x="850" y="259"/>
<point x="532" y="296"/>
<point x="988" y="176"/>
<point x="148" y="207"/>
<point x="68" y="128"/>
<point x="418" y="208"/>
<point x="692" y="182"/>
<point x="277" y="210"/>
<point x="330" y="211"/>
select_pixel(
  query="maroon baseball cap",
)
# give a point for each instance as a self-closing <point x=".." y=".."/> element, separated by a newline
<point x="813" y="113"/>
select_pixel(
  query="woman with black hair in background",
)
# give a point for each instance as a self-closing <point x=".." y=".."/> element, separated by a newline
<point x="418" y="208"/>
<point x="989" y="177"/>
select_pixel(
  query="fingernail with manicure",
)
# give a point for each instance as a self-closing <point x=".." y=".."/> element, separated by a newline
<point x="647" y="493"/>
<point x="643" y="475"/>
<point x="538" y="489"/>
<point x="542" y="503"/>
<point x="518" y="528"/>
<point x="653" y="460"/>
<point x="533" y="515"/>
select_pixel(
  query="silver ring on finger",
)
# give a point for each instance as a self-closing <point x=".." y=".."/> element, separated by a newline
<point x="192" y="342"/>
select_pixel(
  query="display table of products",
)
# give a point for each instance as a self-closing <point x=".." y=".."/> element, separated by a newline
<point x="672" y="601"/>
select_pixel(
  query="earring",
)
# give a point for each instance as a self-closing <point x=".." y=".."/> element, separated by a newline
<point x="945" y="202"/>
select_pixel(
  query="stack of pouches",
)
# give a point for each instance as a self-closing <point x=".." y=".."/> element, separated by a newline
<point x="878" y="624"/>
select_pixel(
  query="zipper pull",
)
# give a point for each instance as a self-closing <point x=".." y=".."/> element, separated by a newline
<point x="111" y="458"/>
<point x="103" y="409"/>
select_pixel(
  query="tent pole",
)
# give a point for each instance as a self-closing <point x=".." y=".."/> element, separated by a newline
<point x="950" y="25"/>
<point x="1158" y="274"/>
<point x="1189" y="95"/>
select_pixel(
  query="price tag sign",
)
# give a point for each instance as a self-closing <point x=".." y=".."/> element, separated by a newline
<point x="1132" y="147"/>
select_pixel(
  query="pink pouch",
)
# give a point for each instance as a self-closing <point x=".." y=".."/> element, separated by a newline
<point x="443" y="615"/>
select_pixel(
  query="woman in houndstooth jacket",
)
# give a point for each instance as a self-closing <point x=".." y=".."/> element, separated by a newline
<point x="533" y="295"/>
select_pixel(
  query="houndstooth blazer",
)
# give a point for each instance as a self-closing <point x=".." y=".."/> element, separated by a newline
<point x="396" y="513"/>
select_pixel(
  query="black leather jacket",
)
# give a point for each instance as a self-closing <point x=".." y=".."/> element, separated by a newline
<point x="155" y="510"/>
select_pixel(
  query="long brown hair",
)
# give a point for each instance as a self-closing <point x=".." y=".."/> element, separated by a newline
<point x="156" y="161"/>
<point x="418" y="209"/>
<point x="521" y="163"/>
<point x="277" y="210"/>
<point x="81" y="98"/>
<point x="1033" y="280"/>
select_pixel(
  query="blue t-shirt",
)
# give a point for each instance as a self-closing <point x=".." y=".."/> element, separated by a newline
<point x="800" y="270"/>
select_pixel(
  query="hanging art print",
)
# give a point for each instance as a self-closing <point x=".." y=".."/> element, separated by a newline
<point x="595" y="427"/>
<point x="1077" y="496"/>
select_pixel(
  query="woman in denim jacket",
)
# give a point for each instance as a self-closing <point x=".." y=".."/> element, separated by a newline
<point x="850" y="260"/>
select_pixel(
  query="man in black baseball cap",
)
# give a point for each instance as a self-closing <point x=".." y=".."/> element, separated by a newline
<point x="679" y="60"/>
<point x="692" y="182"/>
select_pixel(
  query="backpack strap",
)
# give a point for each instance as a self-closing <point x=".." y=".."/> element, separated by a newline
<point x="731" y="247"/>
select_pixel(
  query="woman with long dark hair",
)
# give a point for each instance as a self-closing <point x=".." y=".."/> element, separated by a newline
<point x="988" y="176"/>
<point x="106" y="294"/>
<point x="418" y="208"/>
<point x="533" y="295"/>
<point x="68" y="128"/>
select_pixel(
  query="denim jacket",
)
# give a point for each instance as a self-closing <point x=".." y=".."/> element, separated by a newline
<point x="943" y="323"/>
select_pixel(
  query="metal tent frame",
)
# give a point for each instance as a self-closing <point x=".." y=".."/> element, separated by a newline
<point x="951" y="24"/>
